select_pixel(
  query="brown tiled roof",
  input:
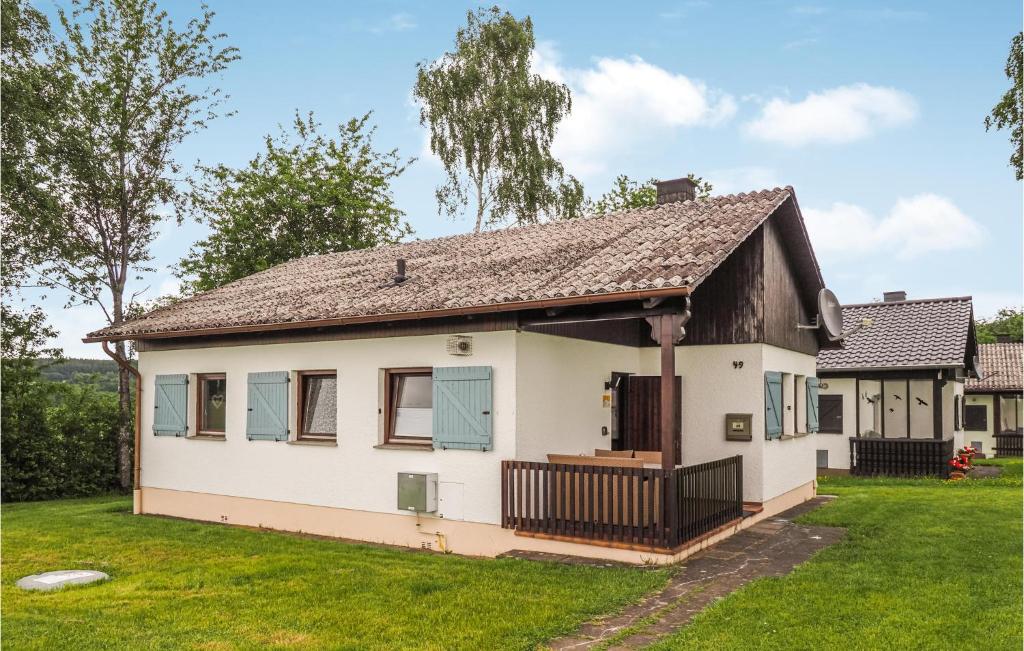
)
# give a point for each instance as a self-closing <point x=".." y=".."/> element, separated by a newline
<point x="673" y="245"/>
<point x="1002" y="366"/>
<point x="925" y="333"/>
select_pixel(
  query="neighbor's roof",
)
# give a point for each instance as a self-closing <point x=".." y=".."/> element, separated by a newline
<point x="1002" y="366"/>
<point x="928" y="333"/>
<point x="668" y="247"/>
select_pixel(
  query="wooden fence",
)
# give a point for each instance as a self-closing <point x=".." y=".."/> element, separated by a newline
<point x="641" y="506"/>
<point x="900" y="457"/>
<point x="1009" y="444"/>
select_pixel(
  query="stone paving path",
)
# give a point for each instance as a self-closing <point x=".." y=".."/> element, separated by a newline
<point x="772" y="547"/>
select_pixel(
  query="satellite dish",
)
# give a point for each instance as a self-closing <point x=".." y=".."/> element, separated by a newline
<point x="830" y="314"/>
<point x="976" y="367"/>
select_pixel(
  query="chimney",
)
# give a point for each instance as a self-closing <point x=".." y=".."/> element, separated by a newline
<point x="400" y="276"/>
<point x="1003" y="339"/>
<point x="676" y="190"/>
<point x="893" y="297"/>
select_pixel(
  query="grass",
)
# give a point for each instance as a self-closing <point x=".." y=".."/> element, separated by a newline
<point x="179" y="584"/>
<point x="926" y="564"/>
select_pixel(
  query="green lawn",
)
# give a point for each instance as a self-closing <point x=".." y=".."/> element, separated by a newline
<point x="926" y="565"/>
<point x="178" y="584"/>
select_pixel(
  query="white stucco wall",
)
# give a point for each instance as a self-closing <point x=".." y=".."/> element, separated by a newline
<point x="921" y="415"/>
<point x="354" y="474"/>
<point x="838" y="445"/>
<point x="559" y="387"/>
<point x="985" y="437"/>
<point x="547" y="398"/>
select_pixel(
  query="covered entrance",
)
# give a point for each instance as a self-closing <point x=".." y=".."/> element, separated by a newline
<point x="636" y="401"/>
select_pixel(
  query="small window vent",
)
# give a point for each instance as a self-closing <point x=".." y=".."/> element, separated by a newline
<point x="460" y="345"/>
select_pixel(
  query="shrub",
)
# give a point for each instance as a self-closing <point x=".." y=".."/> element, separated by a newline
<point x="56" y="440"/>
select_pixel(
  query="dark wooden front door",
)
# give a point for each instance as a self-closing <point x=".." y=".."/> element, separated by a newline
<point x="639" y="413"/>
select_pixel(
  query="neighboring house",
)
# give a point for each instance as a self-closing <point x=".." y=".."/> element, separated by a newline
<point x="504" y="390"/>
<point x="890" y="398"/>
<point x="992" y="406"/>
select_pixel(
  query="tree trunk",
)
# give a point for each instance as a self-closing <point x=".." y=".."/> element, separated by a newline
<point x="480" y="203"/>
<point x="125" y="431"/>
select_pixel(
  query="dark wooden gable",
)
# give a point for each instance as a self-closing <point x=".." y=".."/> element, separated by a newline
<point x="756" y="295"/>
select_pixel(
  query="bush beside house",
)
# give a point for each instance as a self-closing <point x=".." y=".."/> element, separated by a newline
<point x="57" y="440"/>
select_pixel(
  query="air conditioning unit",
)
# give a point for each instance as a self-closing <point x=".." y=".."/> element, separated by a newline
<point x="417" y="491"/>
<point x="460" y="345"/>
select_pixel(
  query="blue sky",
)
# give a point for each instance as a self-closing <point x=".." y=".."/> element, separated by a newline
<point x="871" y="111"/>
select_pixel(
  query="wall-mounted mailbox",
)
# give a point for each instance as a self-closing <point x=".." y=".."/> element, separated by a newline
<point x="737" y="427"/>
<point x="417" y="491"/>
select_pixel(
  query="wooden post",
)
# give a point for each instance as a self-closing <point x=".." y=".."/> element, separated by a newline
<point x="668" y="392"/>
<point x="936" y="409"/>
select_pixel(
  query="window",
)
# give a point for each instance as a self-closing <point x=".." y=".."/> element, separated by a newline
<point x="830" y="414"/>
<point x="317" y="414"/>
<point x="409" y="406"/>
<point x="975" y="418"/>
<point x="822" y="458"/>
<point x="211" y="399"/>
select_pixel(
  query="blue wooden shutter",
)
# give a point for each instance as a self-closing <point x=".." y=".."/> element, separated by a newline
<point x="773" y="404"/>
<point x="267" y="418"/>
<point x="170" y="402"/>
<point x="462" y="408"/>
<point x="812" y="404"/>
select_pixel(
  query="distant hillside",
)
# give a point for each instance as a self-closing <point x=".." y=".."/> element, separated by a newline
<point x="101" y="373"/>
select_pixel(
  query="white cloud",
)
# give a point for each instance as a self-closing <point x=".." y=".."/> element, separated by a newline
<point x="924" y="223"/>
<point x="742" y="179"/>
<point x="620" y="104"/>
<point x="837" y="115"/>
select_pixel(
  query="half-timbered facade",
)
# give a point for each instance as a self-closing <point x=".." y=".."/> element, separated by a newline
<point x="891" y="398"/>
<point x="993" y="416"/>
<point x="630" y="386"/>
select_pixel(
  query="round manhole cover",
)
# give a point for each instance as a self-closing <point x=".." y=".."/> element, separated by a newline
<point x="59" y="579"/>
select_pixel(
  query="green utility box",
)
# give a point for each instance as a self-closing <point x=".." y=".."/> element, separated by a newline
<point x="417" y="491"/>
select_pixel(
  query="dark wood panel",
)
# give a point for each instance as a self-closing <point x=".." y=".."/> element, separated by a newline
<point x="728" y="307"/>
<point x="783" y="305"/>
<point x="641" y="413"/>
<point x="633" y="333"/>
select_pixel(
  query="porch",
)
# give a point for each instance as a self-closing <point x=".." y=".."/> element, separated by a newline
<point x="621" y="504"/>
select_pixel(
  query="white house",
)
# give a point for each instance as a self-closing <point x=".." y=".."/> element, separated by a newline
<point x="892" y="396"/>
<point x="993" y="414"/>
<point x="511" y="389"/>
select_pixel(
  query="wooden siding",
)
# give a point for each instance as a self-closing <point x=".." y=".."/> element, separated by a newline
<point x="728" y="307"/>
<point x="783" y="307"/>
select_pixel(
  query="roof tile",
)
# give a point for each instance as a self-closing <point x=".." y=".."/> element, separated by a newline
<point x="1002" y="366"/>
<point x="904" y="334"/>
<point x="670" y="245"/>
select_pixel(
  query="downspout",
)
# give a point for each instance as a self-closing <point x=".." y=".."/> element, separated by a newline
<point x="137" y="470"/>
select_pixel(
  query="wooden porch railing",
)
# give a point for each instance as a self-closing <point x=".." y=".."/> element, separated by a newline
<point x="900" y="457"/>
<point x="1009" y="444"/>
<point x="641" y="506"/>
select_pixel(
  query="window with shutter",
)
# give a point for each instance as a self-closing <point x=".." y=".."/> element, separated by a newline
<point x="267" y="416"/>
<point x="812" y="404"/>
<point x="462" y="408"/>
<point x="170" y="400"/>
<point x="773" y="404"/>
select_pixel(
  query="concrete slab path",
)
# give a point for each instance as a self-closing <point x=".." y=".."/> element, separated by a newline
<point x="772" y="547"/>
